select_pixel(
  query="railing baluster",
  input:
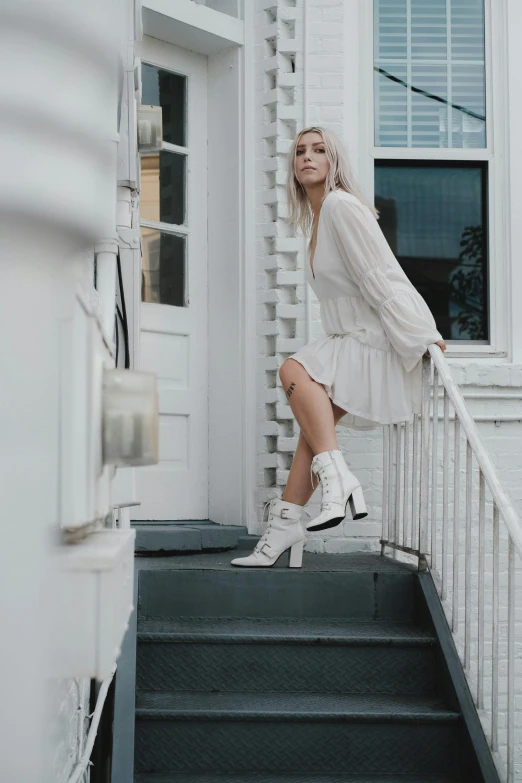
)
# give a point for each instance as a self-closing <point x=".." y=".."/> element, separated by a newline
<point x="416" y="519"/>
<point x="385" y="484"/>
<point x="415" y="482"/>
<point x="456" y="512"/>
<point x="467" y="563"/>
<point x="495" y="630"/>
<point x="434" y="467"/>
<point x="406" y="505"/>
<point x="511" y="664"/>
<point x="396" y="532"/>
<point x="445" y="497"/>
<point x="391" y="483"/>
<point x="482" y="514"/>
<point x="424" y="458"/>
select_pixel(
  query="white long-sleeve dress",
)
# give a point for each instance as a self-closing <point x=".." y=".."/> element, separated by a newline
<point x="377" y="325"/>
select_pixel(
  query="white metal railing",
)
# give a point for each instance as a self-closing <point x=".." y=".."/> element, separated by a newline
<point x="475" y="534"/>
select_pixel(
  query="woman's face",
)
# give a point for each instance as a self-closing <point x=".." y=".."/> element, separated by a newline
<point x="311" y="163"/>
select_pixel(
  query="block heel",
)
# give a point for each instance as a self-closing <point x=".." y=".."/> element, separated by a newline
<point x="296" y="555"/>
<point x="357" y="504"/>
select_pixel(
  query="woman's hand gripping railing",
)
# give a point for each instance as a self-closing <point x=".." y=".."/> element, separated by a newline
<point x="475" y="534"/>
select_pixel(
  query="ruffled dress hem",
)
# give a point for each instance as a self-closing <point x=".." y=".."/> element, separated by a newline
<point x="355" y="367"/>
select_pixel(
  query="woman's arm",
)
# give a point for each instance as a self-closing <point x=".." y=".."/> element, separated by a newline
<point x="406" y="318"/>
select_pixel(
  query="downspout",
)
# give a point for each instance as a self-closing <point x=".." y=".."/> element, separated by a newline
<point x="106" y="252"/>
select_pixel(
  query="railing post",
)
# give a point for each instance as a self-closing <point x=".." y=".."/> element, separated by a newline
<point x="481" y="576"/>
<point x="397" y="514"/>
<point x="385" y="485"/>
<point x="445" y="497"/>
<point x="467" y="560"/>
<point x="434" y="467"/>
<point x="415" y="483"/>
<point x="495" y="630"/>
<point x="424" y="457"/>
<point x="511" y="664"/>
<point x="392" y="487"/>
<point x="456" y="514"/>
<point x="405" y="504"/>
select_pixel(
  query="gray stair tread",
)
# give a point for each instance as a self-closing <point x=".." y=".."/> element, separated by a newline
<point x="260" y="777"/>
<point x="290" y="706"/>
<point x="220" y="561"/>
<point x="185" y="536"/>
<point x="239" y="630"/>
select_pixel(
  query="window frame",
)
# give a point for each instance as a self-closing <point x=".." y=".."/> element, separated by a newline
<point x="176" y="229"/>
<point x="495" y="154"/>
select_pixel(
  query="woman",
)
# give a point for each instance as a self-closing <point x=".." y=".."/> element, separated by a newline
<point x="366" y="371"/>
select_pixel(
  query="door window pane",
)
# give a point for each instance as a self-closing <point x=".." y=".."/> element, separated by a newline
<point x="163" y="268"/>
<point x="429" y="73"/>
<point x="434" y="219"/>
<point x="163" y="187"/>
<point x="168" y="90"/>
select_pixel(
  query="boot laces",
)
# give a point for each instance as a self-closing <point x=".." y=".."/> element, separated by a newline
<point x="327" y="489"/>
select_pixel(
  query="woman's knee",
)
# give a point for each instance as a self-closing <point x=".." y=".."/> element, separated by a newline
<point x="289" y="371"/>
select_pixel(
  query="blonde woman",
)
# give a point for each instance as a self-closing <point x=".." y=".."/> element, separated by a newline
<point x="366" y="371"/>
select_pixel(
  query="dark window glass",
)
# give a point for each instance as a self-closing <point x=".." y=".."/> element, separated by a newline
<point x="163" y="187"/>
<point x="434" y="217"/>
<point x="163" y="268"/>
<point x="168" y="90"/>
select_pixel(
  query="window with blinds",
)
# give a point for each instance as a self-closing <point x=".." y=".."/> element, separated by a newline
<point x="429" y="70"/>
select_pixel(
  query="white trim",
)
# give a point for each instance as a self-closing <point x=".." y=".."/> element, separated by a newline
<point x="511" y="227"/>
<point x="192" y="26"/>
<point x="429" y="153"/>
<point x="232" y="285"/>
<point x="167" y="228"/>
<point x="307" y="291"/>
<point x="167" y="147"/>
<point x="248" y="302"/>
<point x="501" y="329"/>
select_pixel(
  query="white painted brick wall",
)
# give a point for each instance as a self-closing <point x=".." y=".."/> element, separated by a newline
<point x="281" y="282"/>
<point x="68" y="704"/>
<point x="363" y="451"/>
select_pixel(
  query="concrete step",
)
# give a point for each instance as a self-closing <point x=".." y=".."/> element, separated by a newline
<point x="260" y="777"/>
<point x="295" y="733"/>
<point x="360" y="587"/>
<point x="263" y="655"/>
<point x="182" y="536"/>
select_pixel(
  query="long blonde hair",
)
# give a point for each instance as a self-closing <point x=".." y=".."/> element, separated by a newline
<point x="340" y="175"/>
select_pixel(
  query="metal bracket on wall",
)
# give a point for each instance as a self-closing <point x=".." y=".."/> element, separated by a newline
<point x="129" y="238"/>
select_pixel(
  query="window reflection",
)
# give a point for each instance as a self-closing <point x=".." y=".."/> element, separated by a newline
<point x="163" y="268"/>
<point x="430" y="85"/>
<point x="434" y="219"/>
<point x="168" y="90"/>
<point x="163" y="187"/>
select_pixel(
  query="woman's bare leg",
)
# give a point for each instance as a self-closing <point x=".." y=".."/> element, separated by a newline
<point x="316" y="415"/>
<point x="310" y="405"/>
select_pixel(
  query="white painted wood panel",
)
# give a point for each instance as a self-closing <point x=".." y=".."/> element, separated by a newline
<point x="174" y="340"/>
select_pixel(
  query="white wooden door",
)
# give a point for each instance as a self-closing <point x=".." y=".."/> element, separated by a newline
<point x="173" y="312"/>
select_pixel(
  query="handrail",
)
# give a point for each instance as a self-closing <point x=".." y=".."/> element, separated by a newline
<point x="418" y="520"/>
<point x="500" y="496"/>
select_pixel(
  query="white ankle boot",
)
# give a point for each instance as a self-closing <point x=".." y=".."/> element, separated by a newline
<point x="284" y="530"/>
<point x="339" y="486"/>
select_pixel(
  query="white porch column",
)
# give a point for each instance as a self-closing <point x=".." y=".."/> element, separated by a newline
<point x="59" y="92"/>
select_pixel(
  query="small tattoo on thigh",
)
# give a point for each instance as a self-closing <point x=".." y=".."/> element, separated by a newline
<point x="290" y="390"/>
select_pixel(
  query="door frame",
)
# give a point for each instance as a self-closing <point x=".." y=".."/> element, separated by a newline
<point x="231" y="266"/>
